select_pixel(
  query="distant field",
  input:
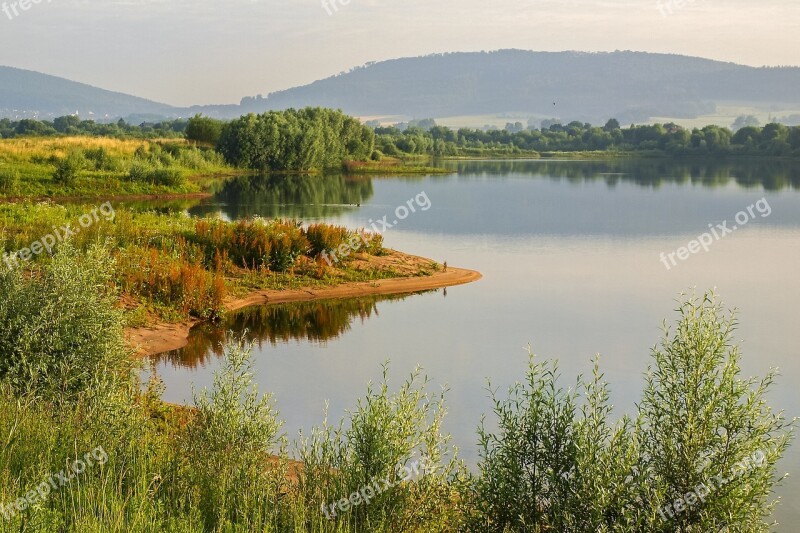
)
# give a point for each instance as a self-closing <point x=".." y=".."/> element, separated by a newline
<point x="724" y="116"/>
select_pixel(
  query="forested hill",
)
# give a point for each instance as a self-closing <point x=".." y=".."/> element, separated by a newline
<point x="589" y="87"/>
<point x="631" y="86"/>
<point x="24" y="93"/>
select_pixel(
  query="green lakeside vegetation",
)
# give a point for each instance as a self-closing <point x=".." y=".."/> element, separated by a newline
<point x="69" y="383"/>
<point x="172" y="267"/>
<point x="70" y="157"/>
<point x="698" y="454"/>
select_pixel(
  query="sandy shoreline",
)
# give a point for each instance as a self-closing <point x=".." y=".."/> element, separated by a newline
<point x="165" y="337"/>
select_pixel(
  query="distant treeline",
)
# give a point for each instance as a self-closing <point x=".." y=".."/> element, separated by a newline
<point x="772" y="139"/>
<point x="316" y="138"/>
<point x="73" y="125"/>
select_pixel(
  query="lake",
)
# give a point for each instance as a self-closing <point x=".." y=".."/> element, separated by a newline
<point x="571" y="254"/>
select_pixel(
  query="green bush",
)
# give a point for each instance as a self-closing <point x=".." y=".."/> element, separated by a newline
<point x="100" y="159"/>
<point x="397" y="437"/>
<point x="60" y="332"/>
<point x="224" y="448"/>
<point x="700" y="456"/>
<point x="68" y="167"/>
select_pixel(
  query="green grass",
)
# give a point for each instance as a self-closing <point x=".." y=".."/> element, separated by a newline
<point x="104" y="167"/>
<point x="172" y="267"/>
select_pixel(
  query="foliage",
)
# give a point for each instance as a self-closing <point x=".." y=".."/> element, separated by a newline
<point x="396" y="440"/>
<point x="60" y="332"/>
<point x="223" y="466"/>
<point x="555" y="463"/>
<point x="304" y="140"/>
<point x="204" y="129"/>
<point x="700" y="456"/>
<point x="771" y="140"/>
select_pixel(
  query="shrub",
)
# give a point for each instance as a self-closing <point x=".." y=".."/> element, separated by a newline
<point x="552" y="465"/>
<point x="702" y="423"/>
<point x="172" y="280"/>
<point x="60" y="332"/>
<point x="326" y="238"/>
<point x="701" y="455"/>
<point x="396" y="437"/>
<point x="68" y="167"/>
<point x="100" y="159"/>
<point x="145" y="172"/>
<point x="253" y="243"/>
<point x="225" y="447"/>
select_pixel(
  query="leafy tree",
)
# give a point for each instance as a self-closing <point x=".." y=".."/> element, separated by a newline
<point x="204" y="129"/>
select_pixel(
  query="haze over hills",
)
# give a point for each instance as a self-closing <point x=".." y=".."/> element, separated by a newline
<point x="25" y="94"/>
<point x="630" y="86"/>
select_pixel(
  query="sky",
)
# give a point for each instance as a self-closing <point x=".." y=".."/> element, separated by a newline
<point x="185" y="52"/>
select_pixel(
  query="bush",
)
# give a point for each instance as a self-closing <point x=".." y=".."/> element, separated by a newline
<point x="327" y="238"/>
<point x="701" y="421"/>
<point x="701" y="455"/>
<point x="100" y="159"/>
<point x="397" y="437"/>
<point x="172" y="280"/>
<point x="60" y="332"/>
<point x="225" y="447"/>
<point x="145" y="172"/>
<point x="253" y="244"/>
<point x="67" y="168"/>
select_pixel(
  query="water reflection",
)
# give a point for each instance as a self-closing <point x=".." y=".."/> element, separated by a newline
<point x="294" y="196"/>
<point x="772" y="174"/>
<point x="315" y="322"/>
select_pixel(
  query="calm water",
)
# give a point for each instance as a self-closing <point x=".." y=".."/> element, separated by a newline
<point x="570" y="257"/>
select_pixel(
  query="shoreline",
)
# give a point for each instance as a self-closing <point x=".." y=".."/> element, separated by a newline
<point x="164" y="337"/>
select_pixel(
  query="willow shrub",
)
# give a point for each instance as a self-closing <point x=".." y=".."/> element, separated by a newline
<point x="710" y="442"/>
<point x="390" y="459"/>
<point x="700" y="456"/>
<point x="224" y="467"/>
<point x="60" y="332"/>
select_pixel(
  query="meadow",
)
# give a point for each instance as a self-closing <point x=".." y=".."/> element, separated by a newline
<point x="104" y="167"/>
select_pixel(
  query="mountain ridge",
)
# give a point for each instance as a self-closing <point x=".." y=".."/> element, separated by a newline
<point x="572" y="85"/>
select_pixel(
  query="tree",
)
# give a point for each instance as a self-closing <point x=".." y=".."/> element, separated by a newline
<point x="743" y="121"/>
<point x="62" y="124"/>
<point x="611" y="125"/>
<point x="204" y="129"/>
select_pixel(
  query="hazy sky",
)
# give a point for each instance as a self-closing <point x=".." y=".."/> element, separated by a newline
<point x="216" y="51"/>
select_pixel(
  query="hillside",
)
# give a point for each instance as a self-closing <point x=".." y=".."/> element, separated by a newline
<point x="632" y="86"/>
<point x="24" y="93"/>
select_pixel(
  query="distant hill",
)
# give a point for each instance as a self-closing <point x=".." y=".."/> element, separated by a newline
<point x="591" y="87"/>
<point x="631" y="86"/>
<point x="26" y="94"/>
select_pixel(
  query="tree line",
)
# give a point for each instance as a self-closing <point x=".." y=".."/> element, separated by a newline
<point x="772" y="140"/>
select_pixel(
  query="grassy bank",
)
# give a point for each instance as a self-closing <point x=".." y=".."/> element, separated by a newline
<point x="170" y="267"/>
<point x="104" y="167"/>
